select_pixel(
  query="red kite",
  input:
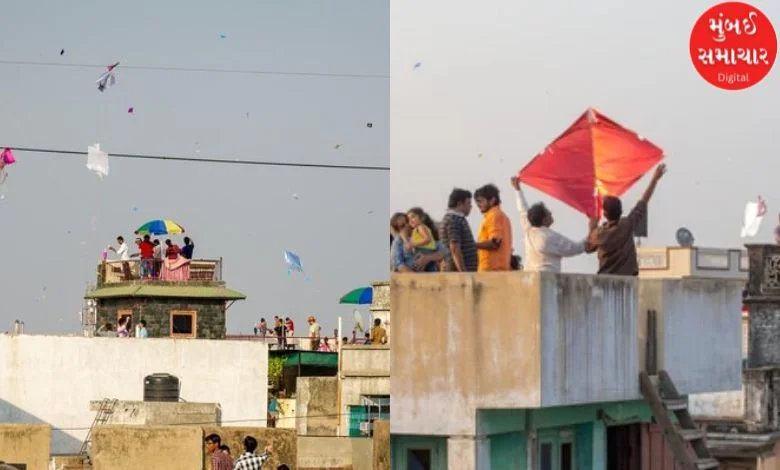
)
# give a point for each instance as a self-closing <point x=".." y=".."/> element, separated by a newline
<point x="593" y="158"/>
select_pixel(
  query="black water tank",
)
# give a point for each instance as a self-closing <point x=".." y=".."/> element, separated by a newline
<point x="161" y="387"/>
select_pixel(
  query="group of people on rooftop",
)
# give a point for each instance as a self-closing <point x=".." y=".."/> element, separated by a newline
<point x="418" y="245"/>
<point x="156" y="261"/>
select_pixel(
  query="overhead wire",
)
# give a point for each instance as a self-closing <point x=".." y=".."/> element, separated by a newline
<point x="201" y="70"/>
<point x="234" y="161"/>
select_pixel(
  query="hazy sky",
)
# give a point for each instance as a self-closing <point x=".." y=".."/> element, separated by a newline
<point x="503" y="78"/>
<point x="245" y="214"/>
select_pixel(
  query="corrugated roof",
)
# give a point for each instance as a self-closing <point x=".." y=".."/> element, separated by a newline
<point x="178" y="291"/>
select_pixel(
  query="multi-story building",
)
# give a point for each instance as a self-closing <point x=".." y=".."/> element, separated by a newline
<point x="543" y="371"/>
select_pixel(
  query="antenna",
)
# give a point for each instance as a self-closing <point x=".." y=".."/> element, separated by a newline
<point x="684" y="237"/>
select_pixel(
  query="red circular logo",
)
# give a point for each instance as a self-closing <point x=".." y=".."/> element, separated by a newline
<point x="733" y="45"/>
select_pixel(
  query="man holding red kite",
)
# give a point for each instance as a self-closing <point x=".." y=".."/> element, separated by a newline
<point x="595" y="161"/>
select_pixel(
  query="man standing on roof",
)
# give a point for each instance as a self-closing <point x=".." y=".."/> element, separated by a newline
<point x="614" y="239"/>
<point x="494" y="243"/>
<point x="544" y="247"/>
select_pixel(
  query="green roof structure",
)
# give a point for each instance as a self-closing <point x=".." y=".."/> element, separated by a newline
<point x="170" y="291"/>
<point x="308" y="358"/>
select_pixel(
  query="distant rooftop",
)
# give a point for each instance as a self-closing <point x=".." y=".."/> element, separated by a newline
<point x="192" y="289"/>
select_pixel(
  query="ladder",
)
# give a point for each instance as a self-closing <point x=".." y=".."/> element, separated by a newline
<point x="685" y="438"/>
<point x="104" y="412"/>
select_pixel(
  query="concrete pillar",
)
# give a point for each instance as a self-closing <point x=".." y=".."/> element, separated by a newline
<point x="763" y="303"/>
<point x="599" y="446"/>
<point x="468" y="453"/>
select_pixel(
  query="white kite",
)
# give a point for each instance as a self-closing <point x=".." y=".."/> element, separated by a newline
<point x="754" y="214"/>
<point x="97" y="161"/>
<point x="108" y="79"/>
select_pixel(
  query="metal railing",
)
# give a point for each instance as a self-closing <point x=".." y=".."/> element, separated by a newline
<point x="135" y="269"/>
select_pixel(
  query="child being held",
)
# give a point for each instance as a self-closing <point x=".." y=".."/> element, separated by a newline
<point x="422" y="239"/>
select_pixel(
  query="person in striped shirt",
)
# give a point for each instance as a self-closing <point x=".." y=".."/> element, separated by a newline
<point x="219" y="459"/>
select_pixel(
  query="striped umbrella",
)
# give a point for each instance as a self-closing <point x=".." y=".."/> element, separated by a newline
<point x="160" y="227"/>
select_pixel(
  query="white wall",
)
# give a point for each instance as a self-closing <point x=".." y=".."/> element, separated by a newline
<point x="588" y="334"/>
<point x="52" y="379"/>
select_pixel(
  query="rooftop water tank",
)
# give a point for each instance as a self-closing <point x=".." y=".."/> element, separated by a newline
<point x="161" y="387"/>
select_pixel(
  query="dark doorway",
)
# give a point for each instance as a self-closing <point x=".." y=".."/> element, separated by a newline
<point x="624" y="447"/>
<point x="419" y="459"/>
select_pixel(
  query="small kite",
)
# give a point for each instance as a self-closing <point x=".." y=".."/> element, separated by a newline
<point x="62" y="51"/>
<point x="293" y="262"/>
<point x="130" y="110"/>
<point x="754" y="214"/>
<point x="417" y="66"/>
<point x="6" y="158"/>
<point x="369" y="125"/>
<point x="97" y="161"/>
<point x="337" y="146"/>
<point x="108" y="79"/>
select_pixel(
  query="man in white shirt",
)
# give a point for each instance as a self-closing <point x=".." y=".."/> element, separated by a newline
<point x="544" y="247"/>
<point x="124" y="254"/>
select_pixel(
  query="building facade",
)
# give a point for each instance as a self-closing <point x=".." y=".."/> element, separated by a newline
<point x="524" y="370"/>
<point x="195" y="308"/>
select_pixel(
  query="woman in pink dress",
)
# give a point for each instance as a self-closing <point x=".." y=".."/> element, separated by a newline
<point x="175" y="267"/>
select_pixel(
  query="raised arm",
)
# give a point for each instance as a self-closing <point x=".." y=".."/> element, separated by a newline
<point x="522" y="204"/>
<point x="659" y="173"/>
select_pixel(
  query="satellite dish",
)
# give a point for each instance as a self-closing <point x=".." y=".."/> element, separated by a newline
<point x="358" y="321"/>
<point x="684" y="237"/>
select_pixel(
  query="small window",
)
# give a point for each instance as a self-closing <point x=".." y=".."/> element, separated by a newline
<point x="184" y="324"/>
<point x="545" y="457"/>
<point x="418" y="459"/>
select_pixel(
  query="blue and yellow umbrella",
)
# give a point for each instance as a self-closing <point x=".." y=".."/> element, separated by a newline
<point x="160" y="227"/>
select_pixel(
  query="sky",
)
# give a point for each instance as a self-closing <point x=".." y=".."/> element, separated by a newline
<point x="57" y="217"/>
<point x="504" y="78"/>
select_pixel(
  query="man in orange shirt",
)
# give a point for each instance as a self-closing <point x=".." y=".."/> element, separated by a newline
<point x="494" y="244"/>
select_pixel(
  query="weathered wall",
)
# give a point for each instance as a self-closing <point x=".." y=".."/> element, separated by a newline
<point x="317" y="406"/>
<point x="588" y="335"/>
<point x="365" y="371"/>
<point x="161" y="413"/>
<point x="381" y="451"/>
<point x="231" y="373"/>
<point x="718" y="404"/>
<point x="380" y="307"/>
<point x="365" y="361"/>
<point x="283" y="441"/>
<point x="288" y="415"/>
<point x="525" y="340"/>
<point x="25" y="444"/>
<point x="351" y="390"/>
<point x="452" y="355"/>
<point x="156" y="311"/>
<point x="334" y="453"/>
<point x="147" y="448"/>
<point x="699" y="331"/>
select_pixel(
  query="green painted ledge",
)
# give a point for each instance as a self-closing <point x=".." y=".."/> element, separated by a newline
<point x="171" y="291"/>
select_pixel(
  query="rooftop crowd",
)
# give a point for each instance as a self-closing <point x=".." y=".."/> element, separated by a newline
<point x="417" y="244"/>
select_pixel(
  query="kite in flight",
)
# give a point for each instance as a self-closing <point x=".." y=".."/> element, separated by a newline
<point x="593" y="158"/>
<point x="293" y="262"/>
<point x="754" y="214"/>
<point x="6" y="158"/>
<point x="108" y="79"/>
<point x="97" y="161"/>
